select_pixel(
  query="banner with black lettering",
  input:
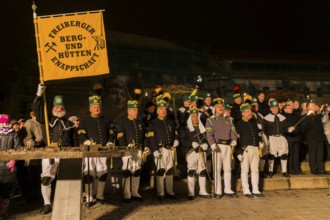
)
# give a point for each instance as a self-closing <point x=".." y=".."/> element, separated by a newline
<point x="71" y="45"/>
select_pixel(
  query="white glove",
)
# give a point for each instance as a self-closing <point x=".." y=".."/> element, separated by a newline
<point x="176" y="143"/>
<point x="214" y="147"/>
<point x="130" y="145"/>
<point x="156" y="154"/>
<point x="147" y="149"/>
<point x="110" y="144"/>
<point x="291" y="129"/>
<point x="240" y="157"/>
<point x="259" y="126"/>
<point x="233" y="143"/>
<point x="41" y="89"/>
<point x="88" y="142"/>
<point x="261" y="145"/>
<point x="205" y="146"/>
<point x="195" y="145"/>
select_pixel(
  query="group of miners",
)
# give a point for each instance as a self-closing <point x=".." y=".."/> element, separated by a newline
<point x="214" y="140"/>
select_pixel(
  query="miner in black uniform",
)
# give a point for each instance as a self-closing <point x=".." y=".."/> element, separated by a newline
<point x="193" y="139"/>
<point x="313" y="132"/>
<point x="208" y="108"/>
<point x="235" y="111"/>
<point x="275" y="126"/>
<point x="95" y="129"/>
<point x="183" y="112"/>
<point x="131" y="134"/>
<point x="62" y="134"/>
<point x="294" y="140"/>
<point x="163" y="139"/>
<point x="150" y="110"/>
<point x="248" y="142"/>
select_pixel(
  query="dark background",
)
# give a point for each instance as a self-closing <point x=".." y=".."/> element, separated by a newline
<point x="257" y="26"/>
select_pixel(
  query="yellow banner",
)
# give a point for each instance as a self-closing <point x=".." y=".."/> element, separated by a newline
<point x="71" y="45"/>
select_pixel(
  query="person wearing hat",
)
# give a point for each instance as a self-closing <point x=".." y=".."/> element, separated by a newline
<point x="131" y="134"/>
<point x="15" y="125"/>
<point x="263" y="150"/>
<point x="183" y="112"/>
<point x="222" y="138"/>
<point x="61" y="135"/>
<point x="95" y="129"/>
<point x="193" y="139"/>
<point x="150" y="110"/>
<point x="313" y="132"/>
<point x="275" y="126"/>
<point x="235" y="111"/>
<point x="208" y="108"/>
<point x="247" y="150"/>
<point x="9" y="140"/>
<point x="163" y="138"/>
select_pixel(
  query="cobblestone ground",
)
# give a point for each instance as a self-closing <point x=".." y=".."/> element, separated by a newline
<point x="286" y="204"/>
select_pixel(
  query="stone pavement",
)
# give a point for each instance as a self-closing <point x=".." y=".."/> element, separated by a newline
<point x="278" y="204"/>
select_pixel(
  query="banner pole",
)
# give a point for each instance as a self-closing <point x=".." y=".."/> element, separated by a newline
<point x="34" y="7"/>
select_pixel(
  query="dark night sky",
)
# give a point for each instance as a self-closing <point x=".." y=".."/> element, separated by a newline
<point x="300" y="27"/>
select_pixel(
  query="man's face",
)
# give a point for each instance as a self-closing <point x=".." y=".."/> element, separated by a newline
<point x="296" y="105"/>
<point x="255" y="107"/>
<point x="161" y="112"/>
<point x="288" y="109"/>
<point x="132" y="113"/>
<point x="95" y="110"/>
<point x="219" y="109"/>
<point x="247" y="114"/>
<point x="59" y="111"/>
<point x="187" y="103"/>
<point x="238" y="101"/>
<point x="208" y="101"/>
<point x="194" y="104"/>
<point x="194" y="119"/>
<point x="261" y="97"/>
<point x="274" y="110"/>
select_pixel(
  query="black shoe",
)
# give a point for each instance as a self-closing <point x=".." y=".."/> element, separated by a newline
<point x="205" y="196"/>
<point x="285" y="174"/>
<point x="135" y="198"/>
<point x="231" y="195"/>
<point x="263" y="175"/>
<point x="248" y="195"/>
<point x="101" y="201"/>
<point x="191" y="197"/>
<point x="127" y="200"/>
<point x="46" y="209"/>
<point x="271" y="174"/>
<point x="160" y="198"/>
<point x="258" y="194"/>
<point x="173" y="197"/>
<point x="315" y="173"/>
<point x="218" y="196"/>
<point x="323" y="173"/>
<point x="90" y="204"/>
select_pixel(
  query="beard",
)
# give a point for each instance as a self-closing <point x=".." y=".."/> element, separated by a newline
<point x="60" y="114"/>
